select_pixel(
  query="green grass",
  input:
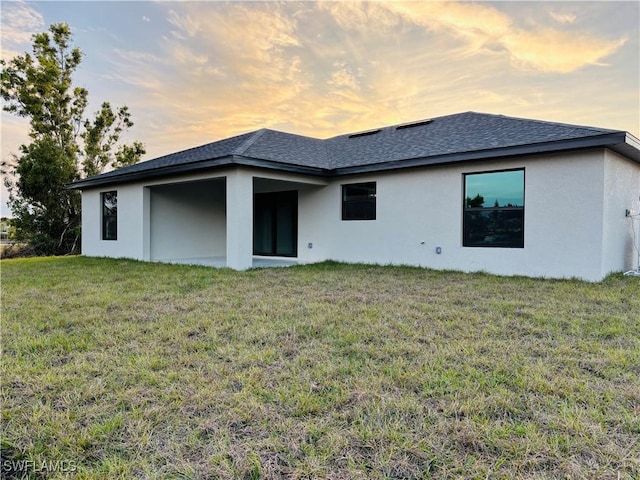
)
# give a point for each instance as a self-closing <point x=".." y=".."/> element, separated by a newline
<point x="124" y="369"/>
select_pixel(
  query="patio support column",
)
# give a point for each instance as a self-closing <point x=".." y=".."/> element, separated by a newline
<point x="239" y="220"/>
<point x="146" y="224"/>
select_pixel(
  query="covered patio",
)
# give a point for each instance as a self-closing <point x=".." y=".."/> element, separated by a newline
<point x="236" y="220"/>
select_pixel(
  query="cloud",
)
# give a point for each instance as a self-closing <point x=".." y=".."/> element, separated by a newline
<point x="146" y="19"/>
<point x="326" y="68"/>
<point x="184" y="23"/>
<point x="181" y="55"/>
<point x="556" y="51"/>
<point x="342" y="78"/>
<point x="14" y="133"/>
<point x="563" y="17"/>
<point x="365" y="17"/>
<point x="214" y="82"/>
<point x="218" y="69"/>
<point x="466" y="19"/>
<point x="487" y="30"/>
<point x="19" y="22"/>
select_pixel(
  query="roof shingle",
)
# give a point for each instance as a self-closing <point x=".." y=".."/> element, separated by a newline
<point x="463" y="133"/>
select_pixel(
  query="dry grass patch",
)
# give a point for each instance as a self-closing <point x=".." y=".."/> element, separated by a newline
<point x="133" y="370"/>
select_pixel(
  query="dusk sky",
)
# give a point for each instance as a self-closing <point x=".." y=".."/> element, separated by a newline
<point x="195" y="72"/>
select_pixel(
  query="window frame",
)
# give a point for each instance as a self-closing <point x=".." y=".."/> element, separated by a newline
<point x="466" y="210"/>
<point x="370" y="200"/>
<point x="109" y="218"/>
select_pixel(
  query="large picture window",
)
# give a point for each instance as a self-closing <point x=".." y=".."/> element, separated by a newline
<point x="359" y="201"/>
<point x="109" y="215"/>
<point x="494" y="209"/>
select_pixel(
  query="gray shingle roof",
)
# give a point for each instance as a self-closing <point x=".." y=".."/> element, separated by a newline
<point x="464" y="132"/>
<point x="459" y="137"/>
<point x="288" y="148"/>
<point x="210" y="151"/>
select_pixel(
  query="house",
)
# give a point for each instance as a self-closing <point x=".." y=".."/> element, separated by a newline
<point x="470" y="191"/>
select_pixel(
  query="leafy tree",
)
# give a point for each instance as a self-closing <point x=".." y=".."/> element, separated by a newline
<point x="475" y="202"/>
<point x="65" y="145"/>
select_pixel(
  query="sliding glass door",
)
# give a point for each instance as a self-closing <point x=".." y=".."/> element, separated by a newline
<point x="275" y="224"/>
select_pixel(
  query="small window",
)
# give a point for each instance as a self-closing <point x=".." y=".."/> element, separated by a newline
<point x="359" y="201"/>
<point x="110" y="215"/>
<point x="493" y="213"/>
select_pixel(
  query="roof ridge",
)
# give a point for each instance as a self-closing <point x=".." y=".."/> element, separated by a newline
<point x="244" y="146"/>
<point x="394" y="126"/>
<point x="204" y="145"/>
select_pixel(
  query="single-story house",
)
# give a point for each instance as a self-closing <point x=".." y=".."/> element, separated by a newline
<point x="470" y="191"/>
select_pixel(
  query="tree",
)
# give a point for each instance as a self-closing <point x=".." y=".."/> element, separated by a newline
<point x="475" y="202"/>
<point x="65" y="145"/>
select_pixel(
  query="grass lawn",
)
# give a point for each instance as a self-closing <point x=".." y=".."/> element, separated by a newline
<point x="121" y="369"/>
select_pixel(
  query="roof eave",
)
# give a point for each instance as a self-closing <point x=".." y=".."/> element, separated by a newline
<point x="281" y="166"/>
<point x="149" y="174"/>
<point x="630" y="147"/>
<point x="194" y="167"/>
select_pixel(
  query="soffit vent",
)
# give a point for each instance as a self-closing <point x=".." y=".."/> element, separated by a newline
<point x="414" y="124"/>
<point x="364" y="134"/>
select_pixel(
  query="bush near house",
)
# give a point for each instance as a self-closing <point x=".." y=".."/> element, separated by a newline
<point x="10" y="246"/>
<point x="121" y="369"/>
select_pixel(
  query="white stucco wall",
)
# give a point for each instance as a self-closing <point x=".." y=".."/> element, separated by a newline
<point x="134" y="217"/>
<point x="574" y="217"/>
<point x="150" y="213"/>
<point x="318" y="208"/>
<point x="421" y="209"/>
<point x="563" y="217"/>
<point x="621" y="192"/>
<point x="188" y="220"/>
<point x="132" y="203"/>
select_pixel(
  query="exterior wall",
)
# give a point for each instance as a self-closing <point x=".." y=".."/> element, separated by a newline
<point x="312" y="210"/>
<point x="132" y="202"/>
<point x="318" y="209"/>
<point x="134" y="218"/>
<point x="563" y="217"/>
<point x="621" y="192"/>
<point x="421" y="209"/>
<point x="184" y="217"/>
<point x="188" y="220"/>
<point x="574" y="217"/>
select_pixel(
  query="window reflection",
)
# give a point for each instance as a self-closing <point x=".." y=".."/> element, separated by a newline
<point x="110" y="215"/>
<point x="359" y="201"/>
<point x="494" y="209"/>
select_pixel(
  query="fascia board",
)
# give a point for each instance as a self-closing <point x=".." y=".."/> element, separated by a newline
<point x="154" y="173"/>
<point x="195" y="167"/>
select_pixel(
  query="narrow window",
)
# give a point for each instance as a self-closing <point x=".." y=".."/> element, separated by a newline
<point x="493" y="213"/>
<point x="110" y="215"/>
<point x="359" y="201"/>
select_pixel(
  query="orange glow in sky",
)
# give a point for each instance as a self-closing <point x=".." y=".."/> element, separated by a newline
<point x="195" y="72"/>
